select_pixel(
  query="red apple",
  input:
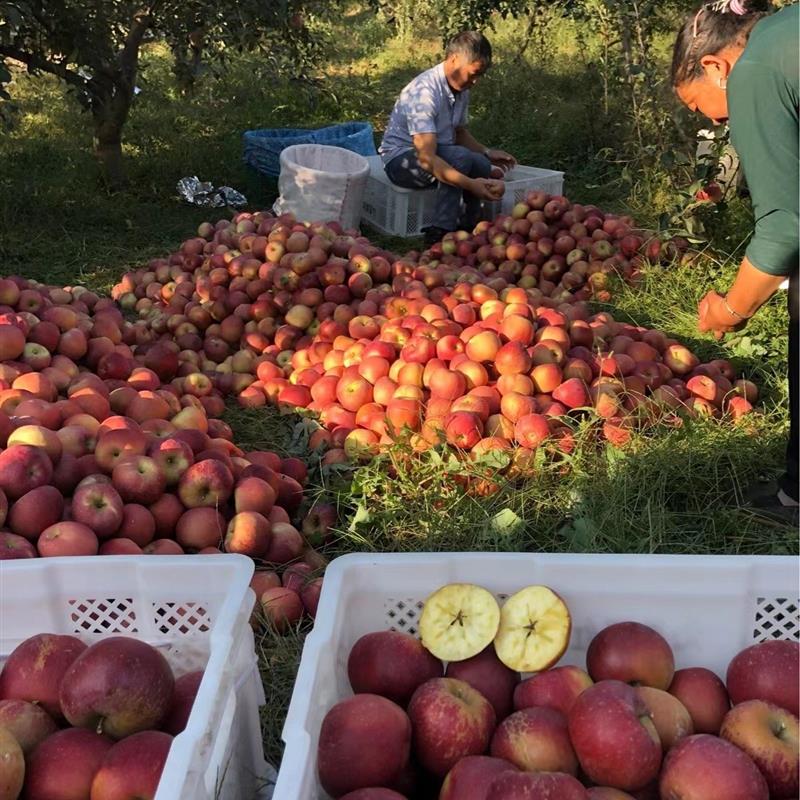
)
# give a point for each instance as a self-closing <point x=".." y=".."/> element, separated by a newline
<point x="13" y="547"/>
<point x="632" y="653"/>
<point x="35" y="668"/>
<point x="138" y="479"/>
<point x="33" y="512"/>
<point x="23" y="468"/>
<point x="472" y="777"/>
<point x="364" y="741"/>
<point x="118" y="686"/>
<point x="769" y="735"/>
<point x="670" y="717"/>
<point x="206" y="483"/>
<point x="64" y="765"/>
<point x="173" y="457"/>
<point x="131" y="770"/>
<point x="536" y="786"/>
<point x="767" y="671"/>
<point x="285" y="544"/>
<point x="183" y="697"/>
<point x="488" y="675"/>
<point x="451" y="720"/>
<point x="67" y="539"/>
<point x="118" y="444"/>
<point x="200" y="527"/>
<point x="98" y="506"/>
<point x="282" y="608"/>
<point x="391" y="664"/>
<point x="536" y="740"/>
<point x="254" y="494"/>
<point x="704" y="695"/>
<point x="27" y="722"/>
<point x="613" y="736"/>
<point x="557" y="688"/>
<point x="248" y="533"/>
<point x="703" y="767"/>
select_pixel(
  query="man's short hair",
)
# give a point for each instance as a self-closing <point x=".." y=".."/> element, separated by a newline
<point x="474" y="46"/>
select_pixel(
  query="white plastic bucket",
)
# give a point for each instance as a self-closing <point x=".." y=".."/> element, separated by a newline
<point x="320" y="183"/>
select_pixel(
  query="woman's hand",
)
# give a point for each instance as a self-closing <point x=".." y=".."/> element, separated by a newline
<point x="712" y="315"/>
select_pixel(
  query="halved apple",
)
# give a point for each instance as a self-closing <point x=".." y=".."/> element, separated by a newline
<point x="535" y="626"/>
<point x="458" y="621"/>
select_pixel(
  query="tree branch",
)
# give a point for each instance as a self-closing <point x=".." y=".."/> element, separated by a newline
<point x="35" y="62"/>
<point x="129" y="55"/>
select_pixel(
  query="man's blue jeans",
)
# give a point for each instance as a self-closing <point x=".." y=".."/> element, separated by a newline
<point x="404" y="170"/>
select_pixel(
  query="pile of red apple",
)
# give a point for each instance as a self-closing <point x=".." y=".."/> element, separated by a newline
<point x="628" y="727"/>
<point x="79" y="721"/>
<point x="109" y="446"/>
<point x="313" y="317"/>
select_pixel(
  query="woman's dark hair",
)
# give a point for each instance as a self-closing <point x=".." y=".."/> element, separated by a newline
<point x="710" y="29"/>
<point x="473" y="46"/>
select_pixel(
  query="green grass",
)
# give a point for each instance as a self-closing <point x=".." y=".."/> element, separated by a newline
<point x="676" y="490"/>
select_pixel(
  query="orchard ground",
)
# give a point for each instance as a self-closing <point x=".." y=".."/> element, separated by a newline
<point x="678" y="491"/>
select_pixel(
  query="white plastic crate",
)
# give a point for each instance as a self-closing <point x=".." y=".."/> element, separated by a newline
<point x="405" y="212"/>
<point x="522" y="180"/>
<point x="196" y="610"/>
<point x="708" y="607"/>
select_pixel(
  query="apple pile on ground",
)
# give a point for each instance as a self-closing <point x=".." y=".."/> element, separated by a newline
<point x="308" y="316"/>
<point x="450" y="715"/>
<point x="89" y="721"/>
<point x="110" y="447"/>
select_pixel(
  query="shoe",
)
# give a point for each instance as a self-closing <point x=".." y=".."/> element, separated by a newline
<point x="433" y="235"/>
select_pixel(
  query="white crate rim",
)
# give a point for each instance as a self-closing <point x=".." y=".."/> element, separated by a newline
<point x="295" y="768"/>
<point x="233" y="611"/>
<point x="404" y="212"/>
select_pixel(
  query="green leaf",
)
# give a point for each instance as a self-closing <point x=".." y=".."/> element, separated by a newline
<point x="505" y="523"/>
<point x="361" y="517"/>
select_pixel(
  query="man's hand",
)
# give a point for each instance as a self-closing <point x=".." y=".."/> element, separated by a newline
<point x="714" y="317"/>
<point x="487" y="188"/>
<point x="501" y="159"/>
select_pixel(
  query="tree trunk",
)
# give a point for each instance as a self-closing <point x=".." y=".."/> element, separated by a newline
<point x="108" y="152"/>
<point x="112" y="92"/>
<point x="110" y="110"/>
